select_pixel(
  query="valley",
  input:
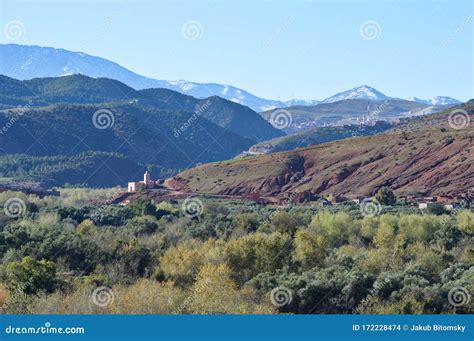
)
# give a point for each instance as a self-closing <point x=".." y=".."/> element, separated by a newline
<point x="232" y="163"/>
<point x="50" y="135"/>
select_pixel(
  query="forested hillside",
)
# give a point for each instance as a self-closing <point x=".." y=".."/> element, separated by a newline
<point x="158" y="129"/>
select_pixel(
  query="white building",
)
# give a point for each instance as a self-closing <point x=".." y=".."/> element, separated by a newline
<point x="147" y="183"/>
<point x="425" y="205"/>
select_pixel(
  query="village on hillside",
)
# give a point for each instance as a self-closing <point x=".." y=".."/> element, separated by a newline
<point x="162" y="190"/>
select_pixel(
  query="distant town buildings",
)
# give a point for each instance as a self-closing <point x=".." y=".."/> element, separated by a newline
<point x="448" y="202"/>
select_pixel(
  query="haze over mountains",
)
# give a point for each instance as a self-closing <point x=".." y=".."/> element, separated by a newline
<point x="26" y="62"/>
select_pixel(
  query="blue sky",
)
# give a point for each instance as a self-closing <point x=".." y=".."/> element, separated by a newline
<point x="273" y="49"/>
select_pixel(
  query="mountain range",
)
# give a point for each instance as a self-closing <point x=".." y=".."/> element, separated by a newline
<point x="26" y="62"/>
<point x="51" y="130"/>
<point x="438" y="100"/>
<point x="368" y="93"/>
<point x="350" y="111"/>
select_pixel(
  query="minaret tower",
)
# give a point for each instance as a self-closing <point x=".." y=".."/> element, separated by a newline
<point x="146" y="179"/>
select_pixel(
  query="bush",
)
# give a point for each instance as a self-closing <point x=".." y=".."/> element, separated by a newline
<point x="437" y="209"/>
<point x="310" y="248"/>
<point x="256" y="253"/>
<point x="182" y="262"/>
<point x="386" y="197"/>
<point x="31" y="276"/>
<point x="465" y="221"/>
<point x="142" y="225"/>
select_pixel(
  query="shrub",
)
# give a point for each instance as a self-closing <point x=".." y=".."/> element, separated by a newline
<point x="31" y="276"/>
<point x="386" y="197"/>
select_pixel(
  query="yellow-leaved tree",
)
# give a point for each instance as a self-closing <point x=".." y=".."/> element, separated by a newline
<point x="214" y="292"/>
<point x="310" y="248"/>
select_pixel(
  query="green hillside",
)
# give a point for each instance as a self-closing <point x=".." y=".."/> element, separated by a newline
<point x="318" y="136"/>
<point x="80" y="89"/>
<point x="51" y="119"/>
<point x="95" y="169"/>
<point x="142" y="135"/>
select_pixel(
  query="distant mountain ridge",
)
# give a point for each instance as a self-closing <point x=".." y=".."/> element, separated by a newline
<point x="350" y="111"/>
<point x="371" y="94"/>
<point x="317" y="136"/>
<point x="438" y="100"/>
<point x="26" y="62"/>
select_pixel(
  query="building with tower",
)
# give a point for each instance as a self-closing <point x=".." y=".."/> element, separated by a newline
<point x="147" y="183"/>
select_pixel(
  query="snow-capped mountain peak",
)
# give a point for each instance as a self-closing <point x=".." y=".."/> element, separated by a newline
<point x="26" y="62"/>
<point x="438" y="100"/>
<point x="360" y="92"/>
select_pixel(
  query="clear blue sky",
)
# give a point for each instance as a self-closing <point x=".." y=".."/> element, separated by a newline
<point x="271" y="48"/>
